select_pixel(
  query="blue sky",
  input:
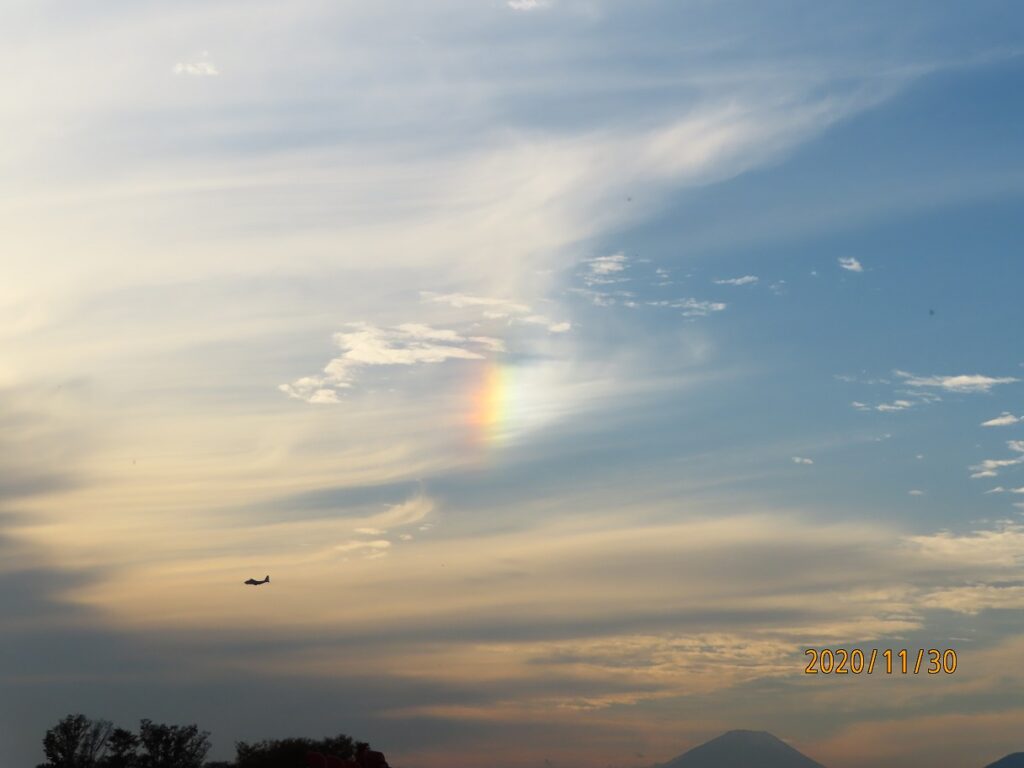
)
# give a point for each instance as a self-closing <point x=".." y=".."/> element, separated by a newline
<point x="571" y="365"/>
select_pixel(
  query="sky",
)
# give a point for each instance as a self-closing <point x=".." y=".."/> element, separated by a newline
<point x="570" y="366"/>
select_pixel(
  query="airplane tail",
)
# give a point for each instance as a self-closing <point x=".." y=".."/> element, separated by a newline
<point x="268" y="578"/>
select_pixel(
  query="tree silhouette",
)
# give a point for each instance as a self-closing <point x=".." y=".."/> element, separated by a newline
<point x="291" y="752"/>
<point x="121" y="750"/>
<point x="76" y="742"/>
<point x="172" y="746"/>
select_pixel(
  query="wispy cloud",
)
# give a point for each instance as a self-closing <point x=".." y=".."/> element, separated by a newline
<point x="850" y="264"/>
<point x="525" y="5"/>
<point x="745" y="280"/>
<point x="697" y="308"/>
<point x="494" y="306"/>
<point x="896" y="405"/>
<point x="370" y="550"/>
<point x="802" y="460"/>
<point x="991" y="467"/>
<point x="961" y="383"/>
<point x="499" y="309"/>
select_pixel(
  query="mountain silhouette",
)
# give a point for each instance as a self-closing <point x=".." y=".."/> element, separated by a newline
<point x="1016" y="760"/>
<point x="747" y="749"/>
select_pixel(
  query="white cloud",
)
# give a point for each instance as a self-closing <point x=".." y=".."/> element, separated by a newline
<point x="1015" y="445"/>
<point x="695" y="308"/>
<point x="992" y="465"/>
<point x="498" y="309"/>
<point x="916" y="492"/>
<point x="962" y="383"/>
<point x="745" y="280"/>
<point x="525" y="5"/>
<point x="851" y="264"/>
<point x="323" y="397"/>
<point x="367" y="345"/>
<point x="605" y="270"/>
<point x="1005" y="419"/>
<point x="802" y="460"/>
<point x="200" y="67"/>
<point x="897" y="405"/>
<point x="607" y="265"/>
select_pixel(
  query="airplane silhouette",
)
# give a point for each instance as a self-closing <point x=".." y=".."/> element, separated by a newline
<point x="254" y="582"/>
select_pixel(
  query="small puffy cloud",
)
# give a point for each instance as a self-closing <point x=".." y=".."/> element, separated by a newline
<point x="802" y="460"/>
<point x="915" y="492"/>
<point x="897" y="405"/>
<point x="962" y="383"/>
<point x="1015" y="445"/>
<point x="200" y="67"/>
<point x="745" y="280"/>
<point x="552" y="325"/>
<point x="606" y="265"/>
<point x="525" y="5"/>
<point x="606" y="269"/>
<point x="850" y="264"/>
<point x="1005" y="419"/>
